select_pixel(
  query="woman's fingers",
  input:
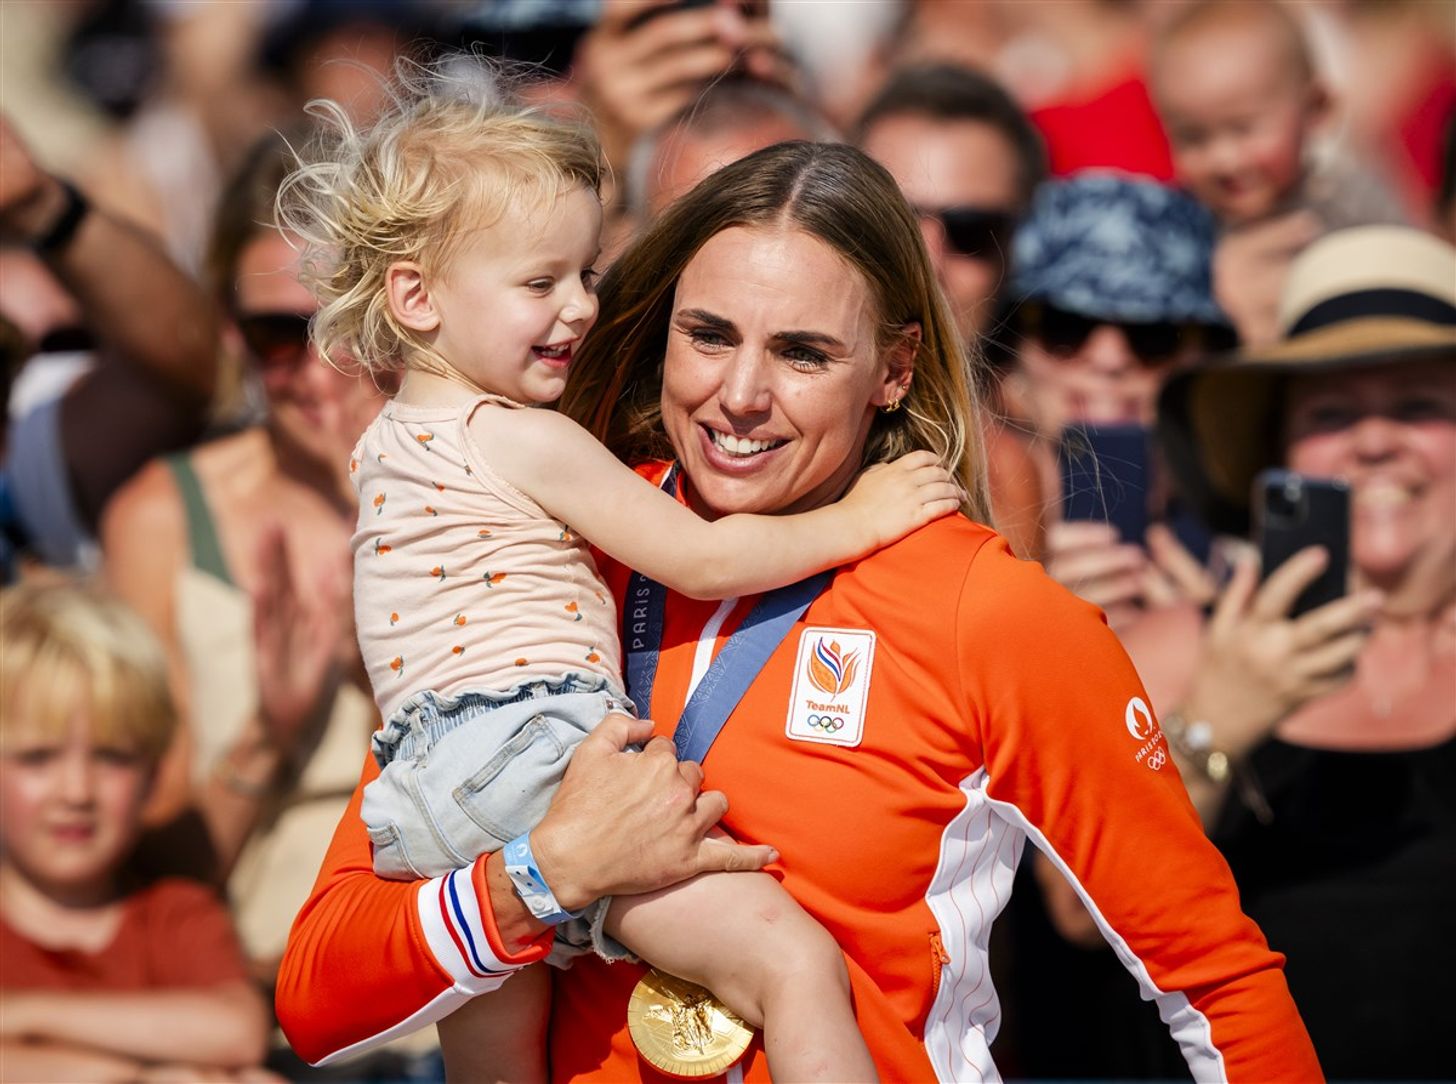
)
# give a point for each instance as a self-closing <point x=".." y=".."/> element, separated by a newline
<point x="1284" y="584"/>
<point x="690" y="770"/>
<point x="1238" y="593"/>
<point x="1185" y="572"/>
<point x="1336" y="618"/>
<point x="1334" y="659"/>
<point x="1079" y="570"/>
<point x="1080" y="534"/>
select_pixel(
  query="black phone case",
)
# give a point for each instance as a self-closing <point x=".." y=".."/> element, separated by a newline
<point x="1104" y="473"/>
<point x="1293" y="512"/>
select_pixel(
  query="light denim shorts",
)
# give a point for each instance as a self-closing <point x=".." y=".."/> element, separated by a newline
<point x="463" y="775"/>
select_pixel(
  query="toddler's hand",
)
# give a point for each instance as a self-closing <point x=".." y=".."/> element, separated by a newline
<point x="889" y="500"/>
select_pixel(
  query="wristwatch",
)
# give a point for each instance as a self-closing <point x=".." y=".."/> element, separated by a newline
<point x="1194" y="743"/>
<point x="526" y="878"/>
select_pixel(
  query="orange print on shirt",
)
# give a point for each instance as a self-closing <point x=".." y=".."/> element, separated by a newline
<point x="493" y="579"/>
<point x="438" y="572"/>
<point x="353" y="466"/>
<point x="424" y="439"/>
<point x="592" y="656"/>
<point x="459" y="619"/>
<point x="457" y="650"/>
<point x="438" y="486"/>
<point x="382" y="548"/>
<point x="393" y="619"/>
<point x="572" y="608"/>
<point x="482" y="533"/>
<point x="378" y="503"/>
<point x="429" y="511"/>
<point x="522" y="662"/>
<point x="397" y="665"/>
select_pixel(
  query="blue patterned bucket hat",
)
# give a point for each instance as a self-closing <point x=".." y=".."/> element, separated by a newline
<point x="1114" y="247"/>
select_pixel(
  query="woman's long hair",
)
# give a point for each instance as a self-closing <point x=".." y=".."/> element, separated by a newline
<point x="832" y="192"/>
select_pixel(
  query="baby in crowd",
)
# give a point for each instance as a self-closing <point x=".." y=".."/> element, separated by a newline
<point x="454" y="239"/>
<point x="1238" y="93"/>
<point x="1239" y="96"/>
<point x="103" y="978"/>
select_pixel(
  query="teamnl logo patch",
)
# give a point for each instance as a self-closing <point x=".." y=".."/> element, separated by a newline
<point x="1138" y="718"/>
<point x="831" y="686"/>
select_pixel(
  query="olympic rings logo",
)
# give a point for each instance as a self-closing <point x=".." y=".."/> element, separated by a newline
<point x="827" y="723"/>
<point x="1158" y="759"/>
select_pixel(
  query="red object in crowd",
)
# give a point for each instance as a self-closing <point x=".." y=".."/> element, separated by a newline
<point x="1116" y="127"/>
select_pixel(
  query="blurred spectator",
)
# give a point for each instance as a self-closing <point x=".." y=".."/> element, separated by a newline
<point x="1112" y="289"/>
<point x="237" y="554"/>
<point x="105" y="978"/>
<point x="729" y="120"/>
<point x="140" y="367"/>
<point x="1237" y="90"/>
<point x="1339" y="726"/>
<point x="968" y="160"/>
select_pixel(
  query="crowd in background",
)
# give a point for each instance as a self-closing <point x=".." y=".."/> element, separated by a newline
<point x="1229" y="224"/>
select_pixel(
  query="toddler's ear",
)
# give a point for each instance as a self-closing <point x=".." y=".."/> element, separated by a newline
<point x="409" y="297"/>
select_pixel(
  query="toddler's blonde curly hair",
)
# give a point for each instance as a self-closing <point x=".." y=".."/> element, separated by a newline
<point x="454" y="152"/>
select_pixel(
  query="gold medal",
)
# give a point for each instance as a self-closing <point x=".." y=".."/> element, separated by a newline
<point x="683" y="1029"/>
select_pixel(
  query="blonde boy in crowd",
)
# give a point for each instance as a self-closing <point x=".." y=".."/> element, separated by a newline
<point x="1242" y="103"/>
<point x="102" y="978"/>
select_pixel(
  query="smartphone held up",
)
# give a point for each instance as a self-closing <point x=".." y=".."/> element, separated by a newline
<point x="1292" y="513"/>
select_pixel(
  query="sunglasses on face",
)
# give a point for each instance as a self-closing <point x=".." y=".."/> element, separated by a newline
<point x="1063" y="334"/>
<point x="276" y="340"/>
<point x="974" y="231"/>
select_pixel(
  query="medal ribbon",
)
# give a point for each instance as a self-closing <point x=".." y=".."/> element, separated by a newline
<point x="731" y="673"/>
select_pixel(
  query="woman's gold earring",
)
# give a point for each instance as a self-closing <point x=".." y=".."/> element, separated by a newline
<point x="893" y="405"/>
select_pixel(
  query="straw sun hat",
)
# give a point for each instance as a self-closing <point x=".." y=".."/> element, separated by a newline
<point x="1374" y="295"/>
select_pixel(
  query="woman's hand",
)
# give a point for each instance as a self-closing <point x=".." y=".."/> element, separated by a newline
<point x="889" y="500"/>
<point x="1259" y="664"/>
<point x="1122" y="578"/>
<point x="1174" y="575"/>
<point x="1090" y="560"/>
<point x="625" y="822"/>
<point x="635" y="73"/>
<point x="296" y="642"/>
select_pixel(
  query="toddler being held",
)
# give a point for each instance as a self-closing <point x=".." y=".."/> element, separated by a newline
<point x="455" y="239"/>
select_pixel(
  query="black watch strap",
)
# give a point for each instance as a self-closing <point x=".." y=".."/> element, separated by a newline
<point x="73" y="213"/>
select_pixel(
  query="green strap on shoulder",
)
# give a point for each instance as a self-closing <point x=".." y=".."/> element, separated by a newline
<point x="201" y="532"/>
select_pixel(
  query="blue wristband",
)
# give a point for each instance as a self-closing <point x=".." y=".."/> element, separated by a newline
<point x="535" y="893"/>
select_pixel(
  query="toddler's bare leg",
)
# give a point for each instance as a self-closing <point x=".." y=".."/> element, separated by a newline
<point x="500" y="1036"/>
<point x="746" y="939"/>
